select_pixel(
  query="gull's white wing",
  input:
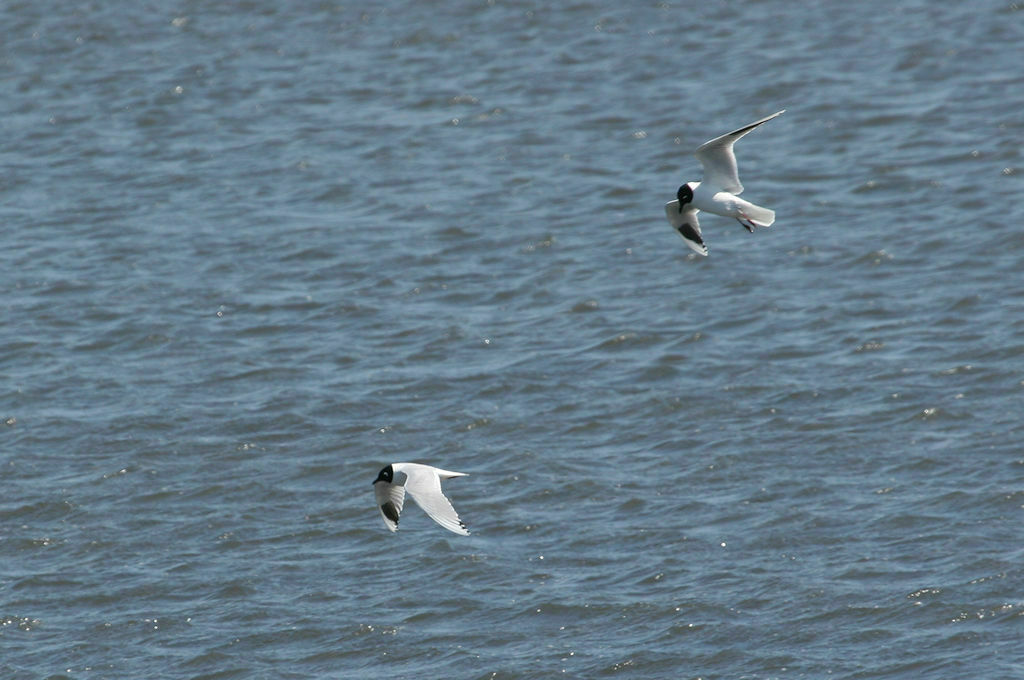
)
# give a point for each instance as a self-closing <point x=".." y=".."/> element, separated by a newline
<point x="687" y="226"/>
<point x="719" y="162"/>
<point x="390" y="498"/>
<point x="424" y="487"/>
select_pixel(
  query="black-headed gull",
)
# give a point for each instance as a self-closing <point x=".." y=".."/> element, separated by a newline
<point x="423" y="483"/>
<point x="717" y="192"/>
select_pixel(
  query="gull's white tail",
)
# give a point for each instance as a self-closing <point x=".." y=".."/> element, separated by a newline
<point x="762" y="217"/>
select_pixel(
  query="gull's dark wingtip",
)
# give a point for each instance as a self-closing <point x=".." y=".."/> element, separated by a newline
<point x="390" y="511"/>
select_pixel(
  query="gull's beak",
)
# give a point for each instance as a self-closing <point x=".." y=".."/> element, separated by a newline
<point x="680" y="207"/>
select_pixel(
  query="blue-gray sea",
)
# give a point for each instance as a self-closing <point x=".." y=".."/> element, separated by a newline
<point x="253" y="251"/>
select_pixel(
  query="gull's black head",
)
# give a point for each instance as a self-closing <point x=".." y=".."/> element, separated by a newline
<point x="386" y="475"/>
<point x="685" y="195"/>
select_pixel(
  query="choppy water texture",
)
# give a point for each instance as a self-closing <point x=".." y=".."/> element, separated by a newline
<point x="254" y="251"/>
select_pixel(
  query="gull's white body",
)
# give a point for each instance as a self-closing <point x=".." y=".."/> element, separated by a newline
<point x="726" y="204"/>
<point x="423" y="484"/>
<point x="717" y="192"/>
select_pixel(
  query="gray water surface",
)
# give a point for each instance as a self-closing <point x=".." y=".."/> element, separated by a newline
<point x="254" y="251"/>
